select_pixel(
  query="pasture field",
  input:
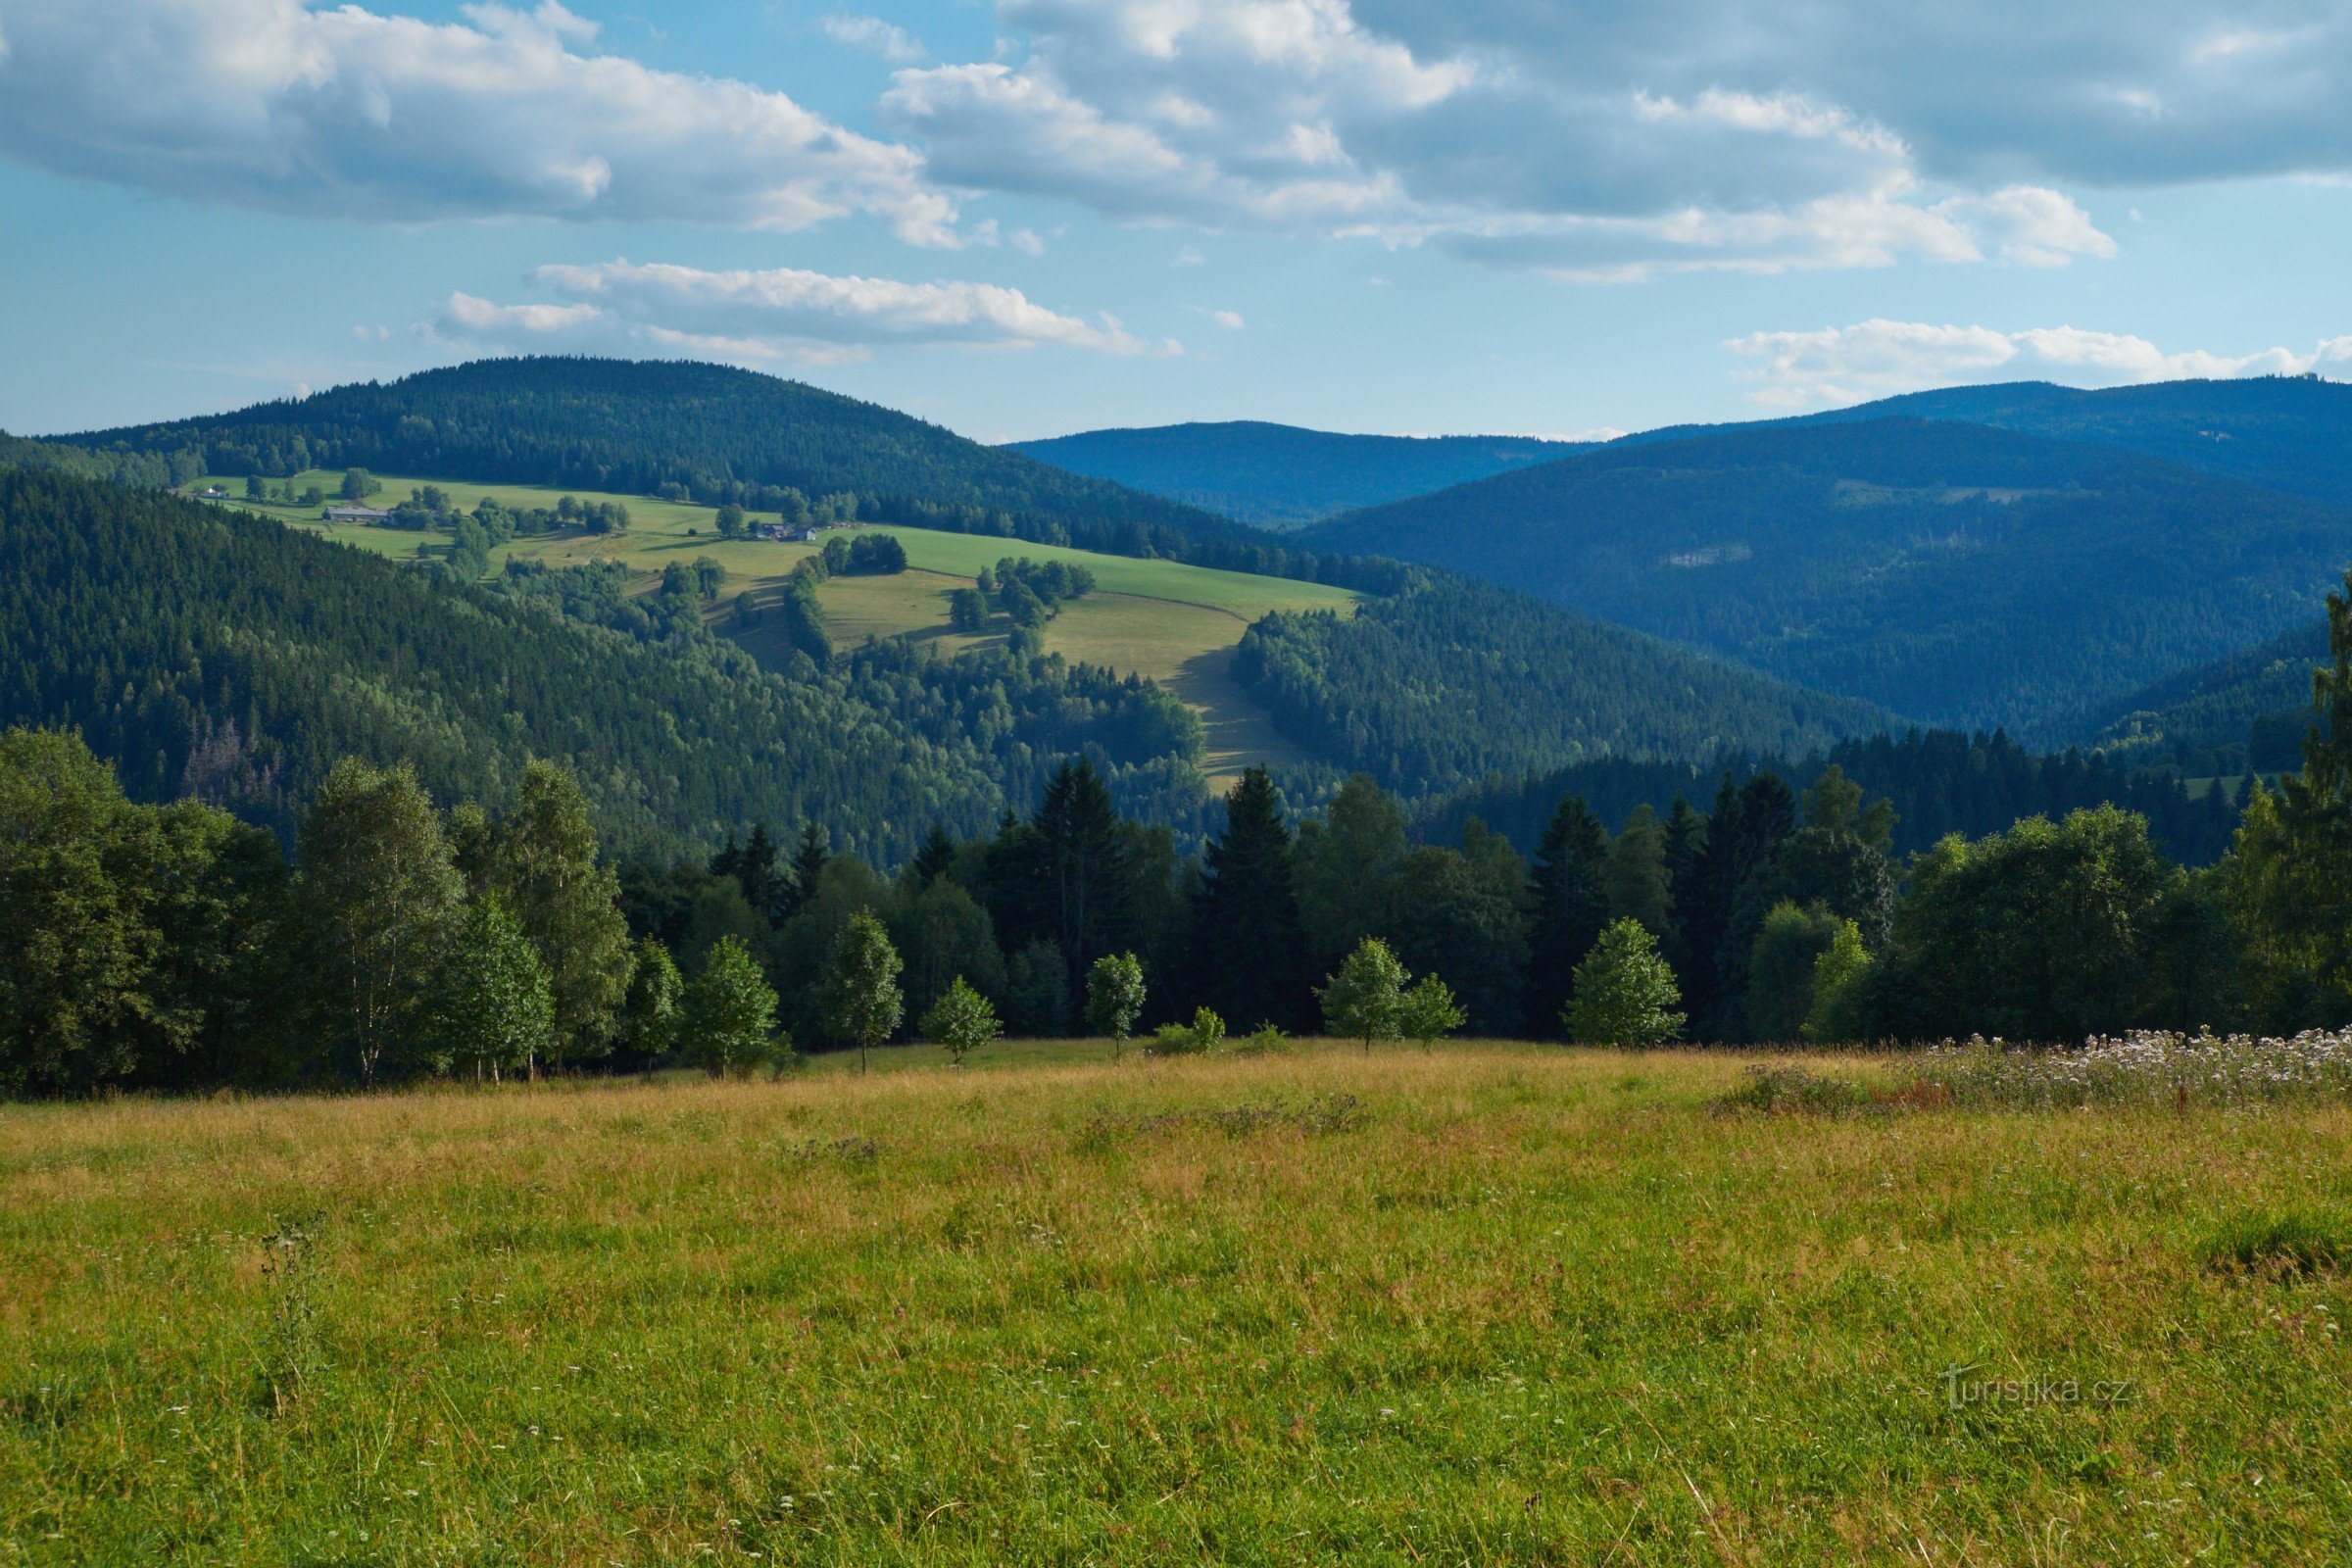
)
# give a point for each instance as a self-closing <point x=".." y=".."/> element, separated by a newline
<point x="1175" y="623"/>
<point x="1490" y="1303"/>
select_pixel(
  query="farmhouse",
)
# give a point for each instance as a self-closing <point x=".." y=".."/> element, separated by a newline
<point x="787" y="532"/>
<point x="355" y="515"/>
<point x="212" y="492"/>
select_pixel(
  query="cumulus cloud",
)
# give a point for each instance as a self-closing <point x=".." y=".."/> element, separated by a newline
<point x="781" y="315"/>
<point x="872" y="35"/>
<point x="1583" y="142"/>
<point x="1877" y="357"/>
<point x="347" y="113"/>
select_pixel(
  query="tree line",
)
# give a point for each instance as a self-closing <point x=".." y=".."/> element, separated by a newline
<point x="172" y="946"/>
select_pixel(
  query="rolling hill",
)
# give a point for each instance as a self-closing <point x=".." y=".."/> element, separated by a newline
<point x="1961" y="574"/>
<point x="209" y="653"/>
<point x="1167" y="621"/>
<point x="1281" y="476"/>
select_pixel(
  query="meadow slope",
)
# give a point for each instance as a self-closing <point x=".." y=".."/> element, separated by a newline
<point x="1495" y="1303"/>
<point x="1170" y="621"/>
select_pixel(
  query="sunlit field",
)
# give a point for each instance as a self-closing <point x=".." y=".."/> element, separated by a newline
<point x="1175" y="623"/>
<point x="1489" y="1303"/>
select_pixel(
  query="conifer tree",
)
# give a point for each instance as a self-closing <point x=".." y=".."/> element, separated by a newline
<point x="1249" y="948"/>
<point x="808" y="867"/>
<point x="1571" y="905"/>
<point x="936" y="856"/>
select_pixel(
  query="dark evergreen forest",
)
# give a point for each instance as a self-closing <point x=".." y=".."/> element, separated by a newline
<point x="1956" y="574"/>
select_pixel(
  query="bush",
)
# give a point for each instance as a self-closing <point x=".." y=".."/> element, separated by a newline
<point x="1205" y="1033"/>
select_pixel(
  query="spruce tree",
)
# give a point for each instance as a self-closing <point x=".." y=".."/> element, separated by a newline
<point x="1249" y="948"/>
<point x="935" y="858"/>
<point x="1571" y="905"/>
<point x="808" y="867"/>
<point x="1085" y="872"/>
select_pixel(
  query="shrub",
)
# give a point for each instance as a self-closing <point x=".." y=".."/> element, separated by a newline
<point x="1204" y="1034"/>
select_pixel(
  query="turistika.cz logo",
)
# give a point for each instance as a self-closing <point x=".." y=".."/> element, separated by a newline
<point x="1962" y="1391"/>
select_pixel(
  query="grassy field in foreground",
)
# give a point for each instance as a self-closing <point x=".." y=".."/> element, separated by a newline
<point x="1495" y="1303"/>
<point x="1175" y="623"/>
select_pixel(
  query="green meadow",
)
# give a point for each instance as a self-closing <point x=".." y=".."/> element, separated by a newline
<point x="1490" y="1303"/>
<point x="1175" y="623"/>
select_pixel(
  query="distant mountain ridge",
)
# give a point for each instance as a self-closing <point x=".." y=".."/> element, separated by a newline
<point x="1960" y="574"/>
<point x="1281" y="475"/>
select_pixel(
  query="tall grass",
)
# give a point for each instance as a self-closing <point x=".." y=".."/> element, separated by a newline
<point x="1497" y="1303"/>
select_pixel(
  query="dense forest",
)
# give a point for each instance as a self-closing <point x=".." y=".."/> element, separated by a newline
<point x="1439" y="688"/>
<point x="713" y="435"/>
<point x="2289" y="432"/>
<point x="1280" y="476"/>
<point x="211" y="655"/>
<point x="1937" y="782"/>
<point x="2243" y="713"/>
<point x="1896" y="561"/>
<point x="171" y="946"/>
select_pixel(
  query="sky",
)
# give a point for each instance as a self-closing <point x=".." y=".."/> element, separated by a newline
<point x="1026" y="218"/>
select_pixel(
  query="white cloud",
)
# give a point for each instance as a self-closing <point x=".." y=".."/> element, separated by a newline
<point x="1319" y="117"/>
<point x="347" y="113"/>
<point x="784" y="314"/>
<point x="1189" y="256"/>
<point x="872" y="35"/>
<point x="1230" y="321"/>
<point x="1877" y="357"/>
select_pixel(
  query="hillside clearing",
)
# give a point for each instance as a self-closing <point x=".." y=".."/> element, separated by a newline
<point x="1167" y="620"/>
<point x="1492" y="1304"/>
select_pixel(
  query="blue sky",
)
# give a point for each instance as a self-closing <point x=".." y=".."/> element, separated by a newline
<point x="1042" y="215"/>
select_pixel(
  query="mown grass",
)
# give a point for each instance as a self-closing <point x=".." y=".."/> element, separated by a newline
<point x="1490" y="1303"/>
<point x="1171" y="622"/>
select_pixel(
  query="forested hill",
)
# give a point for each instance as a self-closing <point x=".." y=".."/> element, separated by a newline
<point x="643" y="427"/>
<point x="212" y="654"/>
<point x="2249" y="709"/>
<point x="2292" y="433"/>
<point x="1279" y="475"/>
<point x="1964" y="575"/>
<point x="1455" y="681"/>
